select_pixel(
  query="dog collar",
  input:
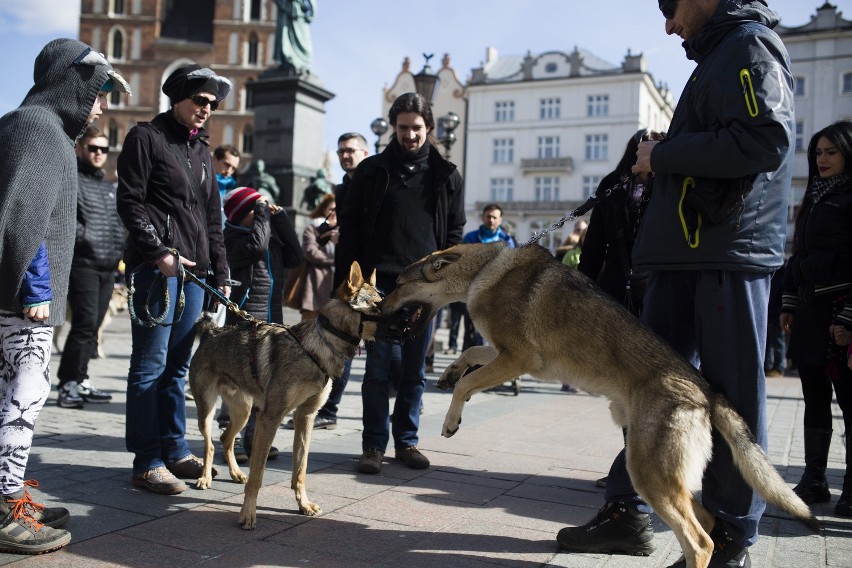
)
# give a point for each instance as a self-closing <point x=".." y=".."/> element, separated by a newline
<point x="325" y="323"/>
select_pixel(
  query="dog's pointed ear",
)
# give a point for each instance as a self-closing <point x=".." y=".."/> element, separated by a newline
<point x="438" y="262"/>
<point x="373" y="278"/>
<point x="354" y="283"/>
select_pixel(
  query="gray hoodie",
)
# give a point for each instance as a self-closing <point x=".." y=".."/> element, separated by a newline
<point x="38" y="169"/>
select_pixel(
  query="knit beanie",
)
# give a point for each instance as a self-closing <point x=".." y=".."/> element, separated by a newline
<point x="238" y="203"/>
<point x="190" y="79"/>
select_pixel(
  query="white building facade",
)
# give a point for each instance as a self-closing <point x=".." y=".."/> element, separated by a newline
<point x="821" y="57"/>
<point x="542" y="131"/>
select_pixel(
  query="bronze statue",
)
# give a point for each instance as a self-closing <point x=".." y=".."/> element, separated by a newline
<point x="293" y="35"/>
<point x="320" y="186"/>
<point x="263" y="181"/>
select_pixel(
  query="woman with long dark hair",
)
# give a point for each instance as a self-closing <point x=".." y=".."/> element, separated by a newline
<point x="817" y="305"/>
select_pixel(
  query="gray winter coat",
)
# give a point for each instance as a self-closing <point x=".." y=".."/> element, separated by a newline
<point x="734" y="123"/>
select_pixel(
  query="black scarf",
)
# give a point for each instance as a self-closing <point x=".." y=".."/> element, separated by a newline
<point x="408" y="165"/>
<point x="820" y="187"/>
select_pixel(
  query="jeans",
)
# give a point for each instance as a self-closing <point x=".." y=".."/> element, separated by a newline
<point x="89" y="293"/>
<point x="159" y="361"/>
<point x="716" y="320"/>
<point x="338" y="385"/>
<point x="375" y="394"/>
<point x="776" y="348"/>
<point x="456" y="312"/>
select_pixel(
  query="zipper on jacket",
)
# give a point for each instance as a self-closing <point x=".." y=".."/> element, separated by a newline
<point x="198" y="207"/>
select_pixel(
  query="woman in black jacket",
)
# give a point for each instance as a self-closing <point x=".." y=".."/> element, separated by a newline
<point x="817" y="306"/>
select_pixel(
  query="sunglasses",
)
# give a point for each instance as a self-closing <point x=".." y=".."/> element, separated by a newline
<point x="668" y="8"/>
<point x="202" y="102"/>
<point x="94" y="149"/>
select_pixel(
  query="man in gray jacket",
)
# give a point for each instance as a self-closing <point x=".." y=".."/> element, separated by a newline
<point x="712" y="235"/>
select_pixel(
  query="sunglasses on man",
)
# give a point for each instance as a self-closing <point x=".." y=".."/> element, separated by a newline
<point x="202" y="102"/>
<point x="668" y="8"/>
<point x="94" y="149"/>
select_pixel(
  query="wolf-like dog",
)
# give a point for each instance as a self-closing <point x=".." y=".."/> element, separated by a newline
<point x="543" y="318"/>
<point x="278" y="370"/>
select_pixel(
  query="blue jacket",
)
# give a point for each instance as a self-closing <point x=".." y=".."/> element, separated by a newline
<point x="481" y="236"/>
<point x="733" y="121"/>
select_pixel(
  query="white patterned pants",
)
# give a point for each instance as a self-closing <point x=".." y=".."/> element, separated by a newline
<point x="24" y="386"/>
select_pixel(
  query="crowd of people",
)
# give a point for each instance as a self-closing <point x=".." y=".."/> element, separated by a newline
<point x="696" y="221"/>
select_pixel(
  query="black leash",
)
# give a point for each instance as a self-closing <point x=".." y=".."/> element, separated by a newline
<point x="581" y="210"/>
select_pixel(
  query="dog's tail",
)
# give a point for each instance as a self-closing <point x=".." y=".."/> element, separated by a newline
<point x="205" y="327"/>
<point x="754" y="465"/>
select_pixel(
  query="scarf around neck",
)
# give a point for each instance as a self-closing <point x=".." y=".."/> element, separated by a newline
<point x="820" y="187"/>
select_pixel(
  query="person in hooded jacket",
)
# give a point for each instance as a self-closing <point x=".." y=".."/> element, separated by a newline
<point x="38" y="199"/>
<point x="711" y="236"/>
<point x="168" y="200"/>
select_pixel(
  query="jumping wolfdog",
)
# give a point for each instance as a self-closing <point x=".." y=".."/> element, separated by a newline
<point x="277" y="370"/>
<point x="531" y="309"/>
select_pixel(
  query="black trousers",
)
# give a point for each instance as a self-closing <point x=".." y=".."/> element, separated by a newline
<point x="89" y="293"/>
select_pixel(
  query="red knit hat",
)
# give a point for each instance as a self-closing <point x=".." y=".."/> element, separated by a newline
<point x="238" y="203"/>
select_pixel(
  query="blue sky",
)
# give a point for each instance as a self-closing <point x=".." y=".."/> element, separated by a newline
<point x="359" y="46"/>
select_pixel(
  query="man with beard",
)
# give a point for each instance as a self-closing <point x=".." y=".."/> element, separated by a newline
<point x="400" y="205"/>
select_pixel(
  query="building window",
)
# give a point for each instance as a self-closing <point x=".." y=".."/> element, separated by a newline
<point x="117" y="7"/>
<point x="502" y="189"/>
<point x="597" y="147"/>
<point x="116" y="45"/>
<point x="590" y="185"/>
<point x="252" y="49"/>
<point x="504" y="151"/>
<point x="597" y="105"/>
<point x="799" y="86"/>
<point x="112" y="134"/>
<point x="847" y="83"/>
<point x="549" y="108"/>
<point x="800" y="136"/>
<point x="547" y="188"/>
<point x="254" y="10"/>
<point x="114" y="98"/>
<point x="550" y="67"/>
<point x="548" y="146"/>
<point x="504" y="111"/>
<point x="248" y="141"/>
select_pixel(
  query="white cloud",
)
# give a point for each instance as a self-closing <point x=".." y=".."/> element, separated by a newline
<point x="40" y="17"/>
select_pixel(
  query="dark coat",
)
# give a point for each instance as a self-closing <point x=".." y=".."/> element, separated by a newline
<point x="257" y="256"/>
<point x="365" y="194"/>
<point x="158" y="204"/>
<point x="818" y="276"/>
<point x="100" y="234"/>
<point x="724" y="131"/>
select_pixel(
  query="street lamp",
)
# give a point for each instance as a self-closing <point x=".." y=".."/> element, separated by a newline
<point x="379" y="127"/>
<point x="425" y="82"/>
<point x="449" y="122"/>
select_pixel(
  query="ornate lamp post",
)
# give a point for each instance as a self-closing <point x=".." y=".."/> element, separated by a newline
<point x="379" y="127"/>
<point x="449" y="122"/>
<point x="426" y="82"/>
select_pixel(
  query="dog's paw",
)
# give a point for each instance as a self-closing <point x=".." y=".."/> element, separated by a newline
<point x="310" y="509"/>
<point x="204" y="483"/>
<point x="248" y="520"/>
<point x="238" y="475"/>
<point x="450" y="427"/>
<point x="450" y="377"/>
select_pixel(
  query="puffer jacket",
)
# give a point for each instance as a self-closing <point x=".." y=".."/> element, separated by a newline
<point x="157" y="203"/>
<point x="257" y="256"/>
<point x="100" y="234"/>
<point x="734" y="122"/>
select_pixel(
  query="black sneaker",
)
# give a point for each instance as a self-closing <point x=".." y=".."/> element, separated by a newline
<point x="240" y="455"/>
<point x="320" y="423"/>
<point x="90" y="394"/>
<point x="618" y="528"/>
<point x="726" y="553"/>
<point x="69" y="396"/>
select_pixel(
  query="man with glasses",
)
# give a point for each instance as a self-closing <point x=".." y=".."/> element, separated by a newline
<point x="168" y="199"/>
<point x="711" y="237"/>
<point x="97" y="250"/>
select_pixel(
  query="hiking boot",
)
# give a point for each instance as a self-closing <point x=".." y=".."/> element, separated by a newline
<point x="240" y="455"/>
<point x="273" y="451"/>
<point x="90" y="394"/>
<point x="21" y="533"/>
<point x="370" y="461"/>
<point x="618" y="528"/>
<point x="54" y="517"/>
<point x="412" y="457"/>
<point x="726" y="553"/>
<point x="159" y="480"/>
<point x="69" y="395"/>
<point x="190" y="467"/>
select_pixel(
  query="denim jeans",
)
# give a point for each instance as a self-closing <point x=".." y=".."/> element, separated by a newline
<point x="159" y="361"/>
<point x="375" y="394"/>
<point x="329" y="409"/>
